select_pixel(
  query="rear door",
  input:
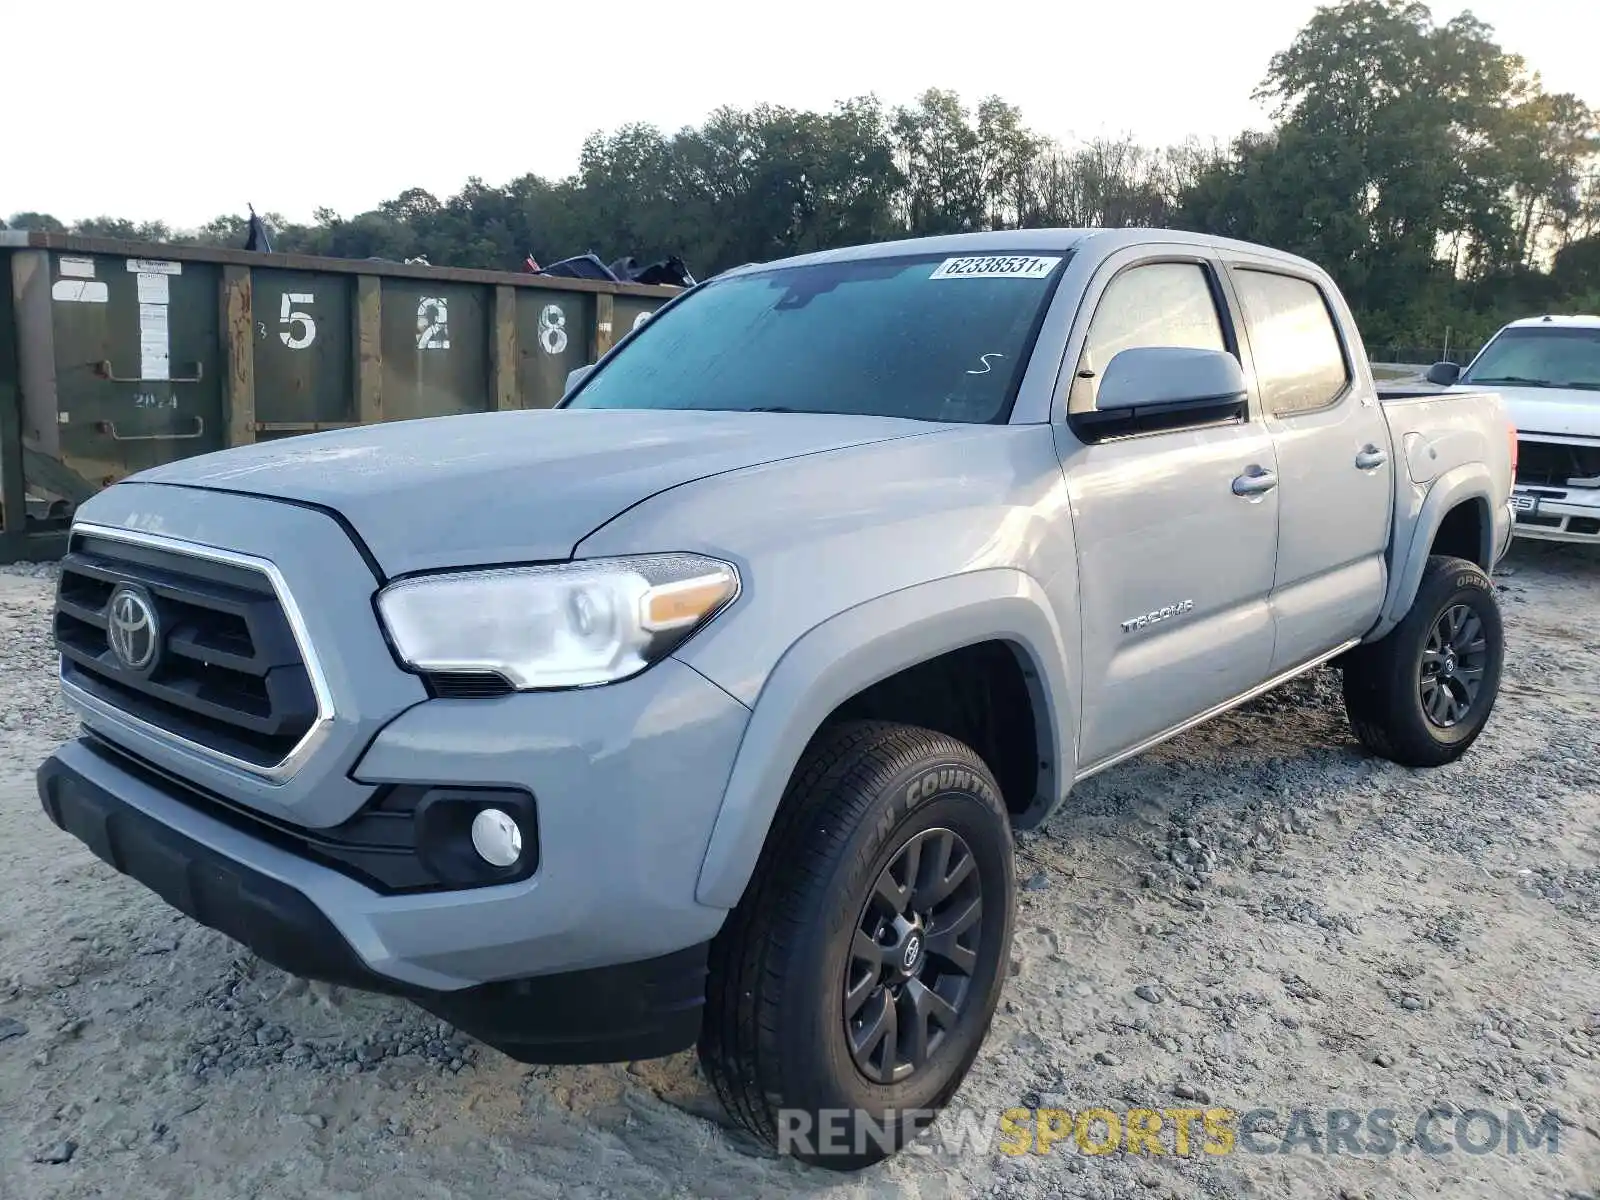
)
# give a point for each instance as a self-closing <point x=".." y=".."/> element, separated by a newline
<point x="1335" y="461"/>
<point x="1175" y="566"/>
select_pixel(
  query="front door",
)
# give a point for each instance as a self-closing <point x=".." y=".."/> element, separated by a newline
<point x="1175" y="564"/>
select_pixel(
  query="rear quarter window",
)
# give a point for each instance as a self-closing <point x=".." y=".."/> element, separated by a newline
<point x="1300" y="362"/>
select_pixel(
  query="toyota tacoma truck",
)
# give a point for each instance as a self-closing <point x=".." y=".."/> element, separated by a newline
<point x="1547" y="370"/>
<point x="702" y="708"/>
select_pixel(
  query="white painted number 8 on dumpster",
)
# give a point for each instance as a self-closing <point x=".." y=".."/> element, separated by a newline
<point x="553" y="329"/>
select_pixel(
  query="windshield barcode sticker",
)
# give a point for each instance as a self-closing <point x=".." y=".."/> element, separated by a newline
<point x="996" y="266"/>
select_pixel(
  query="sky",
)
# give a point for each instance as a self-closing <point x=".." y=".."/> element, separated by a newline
<point x="180" y="110"/>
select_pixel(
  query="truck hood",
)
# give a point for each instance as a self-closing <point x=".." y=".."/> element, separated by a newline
<point x="1570" y="412"/>
<point x="509" y="487"/>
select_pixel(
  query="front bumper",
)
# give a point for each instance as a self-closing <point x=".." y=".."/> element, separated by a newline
<point x="637" y="1010"/>
<point x="1557" y="514"/>
<point x="627" y="780"/>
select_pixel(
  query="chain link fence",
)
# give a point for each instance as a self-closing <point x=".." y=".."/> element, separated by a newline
<point x="1423" y="356"/>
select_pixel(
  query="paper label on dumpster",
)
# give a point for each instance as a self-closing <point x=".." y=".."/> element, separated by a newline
<point x="154" y="266"/>
<point x="153" y="342"/>
<point x="996" y="266"/>
<point x="77" y="268"/>
<point x="79" y="291"/>
<point x="153" y="289"/>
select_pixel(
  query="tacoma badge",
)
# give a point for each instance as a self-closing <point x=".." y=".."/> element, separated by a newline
<point x="1160" y="614"/>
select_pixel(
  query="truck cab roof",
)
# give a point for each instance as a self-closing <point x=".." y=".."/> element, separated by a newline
<point x="1103" y="241"/>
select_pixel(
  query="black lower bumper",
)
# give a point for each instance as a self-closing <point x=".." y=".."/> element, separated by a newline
<point x="609" y="1014"/>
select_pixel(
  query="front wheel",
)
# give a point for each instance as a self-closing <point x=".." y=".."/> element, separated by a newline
<point x="1422" y="694"/>
<point x="851" y="988"/>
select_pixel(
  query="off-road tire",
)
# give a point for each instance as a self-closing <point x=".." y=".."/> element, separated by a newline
<point x="1383" y="688"/>
<point x="774" y="1043"/>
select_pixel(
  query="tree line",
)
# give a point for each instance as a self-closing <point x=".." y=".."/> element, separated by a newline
<point x="1419" y="161"/>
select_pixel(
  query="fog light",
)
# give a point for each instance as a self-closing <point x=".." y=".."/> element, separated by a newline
<point x="496" y="838"/>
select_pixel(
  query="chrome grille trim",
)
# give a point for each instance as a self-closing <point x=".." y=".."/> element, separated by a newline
<point x="97" y="712"/>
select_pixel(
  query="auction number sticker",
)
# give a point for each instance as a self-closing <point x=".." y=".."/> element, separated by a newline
<point x="996" y="266"/>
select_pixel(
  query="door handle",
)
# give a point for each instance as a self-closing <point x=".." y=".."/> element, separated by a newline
<point x="1256" y="481"/>
<point x="1370" y="457"/>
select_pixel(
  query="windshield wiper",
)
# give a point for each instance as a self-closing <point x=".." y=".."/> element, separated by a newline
<point x="1514" y="379"/>
<point x="1582" y="387"/>
<point x="770" y="408"/>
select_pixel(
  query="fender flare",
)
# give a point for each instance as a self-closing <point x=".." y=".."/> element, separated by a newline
<point x="1466" y="483"/>
<point x="859" y="647"/>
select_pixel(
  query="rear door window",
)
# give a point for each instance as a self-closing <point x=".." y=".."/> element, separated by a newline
<point x="1300" y="362"/>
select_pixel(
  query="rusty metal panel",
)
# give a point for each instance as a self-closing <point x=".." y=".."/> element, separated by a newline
<point x="554" y="331"/>
<point x="367" y="351"/>
<point x="13" y="507"/>
<point x="238" y="356"/>
<point x="601" y="336"/>
<point x="503" y="349"/>
<point x="304" y="363"/>
<point x="32" y="309"/>
<point x="435" y="343"/>
<point x="137" y="363"/>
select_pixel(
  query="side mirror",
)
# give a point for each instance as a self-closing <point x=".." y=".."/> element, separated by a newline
<point x="575" y="377"/>
<point x="1444" y="373"/>
<point x="1149" y="388"/>
<point x="1165" y="375"/>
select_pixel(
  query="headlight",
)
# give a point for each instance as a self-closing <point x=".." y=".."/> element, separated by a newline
<point x="567" y="625"/>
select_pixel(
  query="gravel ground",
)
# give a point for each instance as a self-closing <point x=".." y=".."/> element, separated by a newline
<point x="1255" y="916"/>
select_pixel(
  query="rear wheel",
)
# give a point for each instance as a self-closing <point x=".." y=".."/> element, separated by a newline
<point x="1422" y="694"/>
<point x="852" y="987"/>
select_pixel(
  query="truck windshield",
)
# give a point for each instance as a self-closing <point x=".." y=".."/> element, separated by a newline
<point x="934" y="338"/>
<point x="1534" y="356"/>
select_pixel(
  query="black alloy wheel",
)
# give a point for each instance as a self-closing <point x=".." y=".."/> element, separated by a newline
<point x="851" y="988"/>
<point x="915" y="948"/>
<point x="1453" y="662"/>
<point x="1421" y="694"/>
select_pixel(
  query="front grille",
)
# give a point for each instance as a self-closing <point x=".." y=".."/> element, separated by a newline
<point x="226" y="672"/>
<point x="1557" y="465"/>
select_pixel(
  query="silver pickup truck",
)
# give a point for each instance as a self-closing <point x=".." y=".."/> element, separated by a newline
<point x="702" y="709"/>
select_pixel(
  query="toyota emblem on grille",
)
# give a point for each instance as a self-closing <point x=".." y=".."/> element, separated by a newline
<point x="132" y="630"/>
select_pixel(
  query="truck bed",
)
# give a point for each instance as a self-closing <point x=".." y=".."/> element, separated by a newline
<point x="1437" y="436"/>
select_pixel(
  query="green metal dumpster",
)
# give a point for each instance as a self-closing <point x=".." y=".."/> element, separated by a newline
<point x="117" y="356"/>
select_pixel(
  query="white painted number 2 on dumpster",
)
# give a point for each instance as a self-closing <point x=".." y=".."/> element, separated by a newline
<point x="433" y="324"/>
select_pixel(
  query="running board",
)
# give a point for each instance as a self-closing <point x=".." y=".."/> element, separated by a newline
<point x="1184" y="726"/>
